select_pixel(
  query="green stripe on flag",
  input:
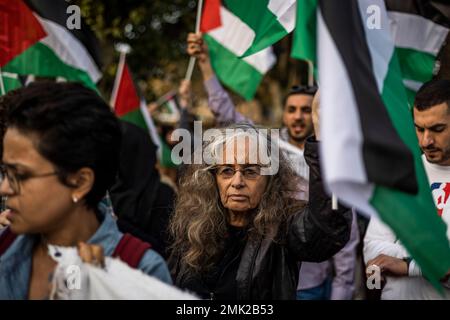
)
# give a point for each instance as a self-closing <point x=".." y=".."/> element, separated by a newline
<point x="304" y="46"/>
<point x="41" y="61"/>
<point x="416" y="65"/>
<point x="233" y="71"/>
<point x="135" y="117"/>
<point x="10" y="83"/>
<point x="265" y="24"/>
<point x="413" y="218"/>
<point x="411" y="96"/>
<point x="166" y="157"/>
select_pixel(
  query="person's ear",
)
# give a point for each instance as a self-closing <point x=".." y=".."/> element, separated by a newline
<point x="82" y="182"/>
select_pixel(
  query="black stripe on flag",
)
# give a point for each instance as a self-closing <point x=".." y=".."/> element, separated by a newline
<point x="422" y="8"/>
<point x="56" y="11"/>
<point x="388" y="161"/>
<point x="23" y="79"/>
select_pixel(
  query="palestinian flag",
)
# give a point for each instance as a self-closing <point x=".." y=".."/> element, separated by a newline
<point x="11" y="81"/>
<point x="418" y="30"/>
<point x="371" y="157"/>
<point x="168" y="111"/>
<point x="34" y="39"/>
<point x="227" y="36"/>
<point x="260" y="23"/>
<point x="127" y="104"/>
<point x="167" y="115"/>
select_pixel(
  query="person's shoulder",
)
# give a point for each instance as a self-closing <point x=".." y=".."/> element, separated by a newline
<point x="154" y="265"/>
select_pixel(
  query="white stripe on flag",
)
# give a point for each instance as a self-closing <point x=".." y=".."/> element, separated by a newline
<point x="379" y="40"/>
<point x="68" y="48"/>
<point x="263" y="60"/>
<point x="237" y="37"/>
<point x="10" y="75"/>
<point x="285" y="11"/>
<point x="234" y="34"/>
<point x="172" y="106"/>
<point x="151" y="128"/>
<point x="412" y="85"/>
<point x="415" y="32"/>
<point x="345" y="174"/>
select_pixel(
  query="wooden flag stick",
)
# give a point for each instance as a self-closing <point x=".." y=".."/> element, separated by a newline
<point x="190" y="69"/>
<point x="191" y="65"/>
<point x="123" y="49"/>
<point x="334" y="202"/>
<point x="2" y="85"/>
<point x="119" y="72"/>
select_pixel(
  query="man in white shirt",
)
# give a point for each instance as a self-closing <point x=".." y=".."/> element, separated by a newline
<point x="403" y="277"/>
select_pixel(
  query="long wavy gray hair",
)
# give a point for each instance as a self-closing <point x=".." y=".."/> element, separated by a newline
<point x="199" y="224"/>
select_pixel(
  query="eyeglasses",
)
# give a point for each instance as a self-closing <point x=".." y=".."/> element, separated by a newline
<point x="311" y="90"/>
<point x="15" y="179"/>
<point x="250" y="172"/>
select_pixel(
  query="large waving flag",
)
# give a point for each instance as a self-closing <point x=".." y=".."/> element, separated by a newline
<point x="225" y="33"/>
<point x="371" y="158"/>
<point x="260" y="23"/>
<point x="20" y="29"/>
<point x="418" y="30"/>
<point x="34" y="39"/>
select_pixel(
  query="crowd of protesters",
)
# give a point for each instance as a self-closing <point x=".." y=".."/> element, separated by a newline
<point x="73" y="175"/>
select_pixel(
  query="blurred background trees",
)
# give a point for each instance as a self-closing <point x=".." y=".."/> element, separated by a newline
<point x="156" y="30"/>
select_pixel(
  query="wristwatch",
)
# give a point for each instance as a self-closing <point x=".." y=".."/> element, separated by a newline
<point x="408" y="262"/>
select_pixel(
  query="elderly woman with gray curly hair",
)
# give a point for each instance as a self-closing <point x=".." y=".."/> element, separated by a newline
<point x="238" y="232"/>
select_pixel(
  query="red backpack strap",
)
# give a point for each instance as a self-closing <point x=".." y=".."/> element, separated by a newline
<point x="130" y="250"/>
<point x="6" y="240"/>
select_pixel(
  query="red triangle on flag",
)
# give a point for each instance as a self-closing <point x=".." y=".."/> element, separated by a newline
<point x="211" y="16"/>
<point x="126" y="98"/>
<point x="19" y="29"/>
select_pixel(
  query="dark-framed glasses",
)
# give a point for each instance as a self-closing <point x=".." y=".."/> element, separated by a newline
<point x="15" y="179"/>
<point x="251" y="172"/>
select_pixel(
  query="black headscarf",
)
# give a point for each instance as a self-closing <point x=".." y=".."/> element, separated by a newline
<point x="140" y="201"/>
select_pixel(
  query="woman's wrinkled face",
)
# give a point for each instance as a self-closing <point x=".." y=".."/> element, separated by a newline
<point x="38" y="202"/>
<point x="239" y="182"/>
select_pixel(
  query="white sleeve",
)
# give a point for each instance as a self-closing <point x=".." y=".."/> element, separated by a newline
<point x="414" y="269"/>
<point x="380" y="239"/>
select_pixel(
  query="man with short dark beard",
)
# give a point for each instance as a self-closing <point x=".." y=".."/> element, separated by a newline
<point x="381" y="247"/>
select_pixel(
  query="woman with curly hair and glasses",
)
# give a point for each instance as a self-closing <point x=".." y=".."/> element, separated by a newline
<point x="238" y="233"/>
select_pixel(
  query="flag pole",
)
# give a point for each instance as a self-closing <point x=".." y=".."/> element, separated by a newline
<point x="310" y="73"/>
<point x="124" y="49"/>
<point x="334" y="199"/>
<point x="2" y="85"/>
<point x="191" y="65"/>
<point x="166" y="97"/>
<point x="334" y="202"/>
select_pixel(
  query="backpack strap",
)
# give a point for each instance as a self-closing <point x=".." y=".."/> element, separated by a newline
<point x="6" y="240"/>
<point x="131" y="250"/>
